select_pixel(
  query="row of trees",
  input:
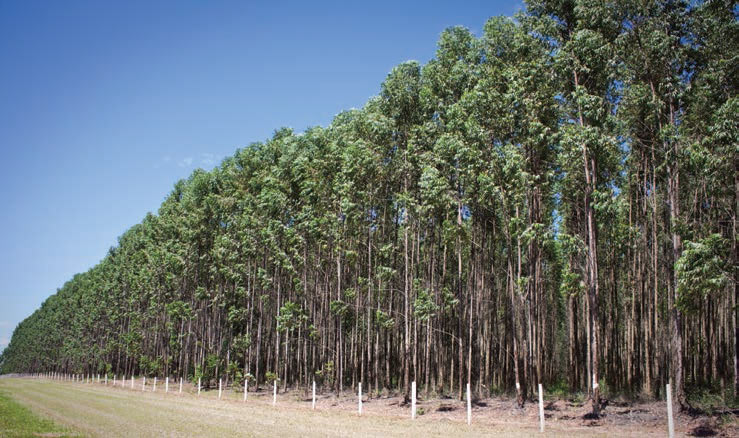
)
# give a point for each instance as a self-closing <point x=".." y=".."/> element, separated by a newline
<point x="554" y="201"/>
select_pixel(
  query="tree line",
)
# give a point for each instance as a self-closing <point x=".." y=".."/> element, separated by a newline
<point x="553" y="201"/>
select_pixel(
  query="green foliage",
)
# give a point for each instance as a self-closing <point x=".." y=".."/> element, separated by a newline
<point x="702" y="270"/>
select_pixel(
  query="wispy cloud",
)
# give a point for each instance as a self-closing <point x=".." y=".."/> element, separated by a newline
<point x="208" y="159"/>
<point x="4" y="341"/>
<point x="185" y="162"/>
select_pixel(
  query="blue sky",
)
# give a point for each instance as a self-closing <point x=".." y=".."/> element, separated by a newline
<point x="104" y="106"/>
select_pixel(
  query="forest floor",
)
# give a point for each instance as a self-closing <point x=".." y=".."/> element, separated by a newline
<point x="99" y="410"/>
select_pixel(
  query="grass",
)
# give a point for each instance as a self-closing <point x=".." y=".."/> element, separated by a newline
<point x="18" y="421"/>
<point x="98" y="410"/>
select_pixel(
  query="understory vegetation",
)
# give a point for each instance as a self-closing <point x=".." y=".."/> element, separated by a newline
<point x="553" y="201"/>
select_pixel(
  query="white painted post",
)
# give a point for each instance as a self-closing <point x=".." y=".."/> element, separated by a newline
<point x="413" y="400"/>
<point x="360" y="399"/>
<point x="246" y="387"/>
<point x="670" y="422"/>
<point x="180" y="385"/>
<point x="469" y="405"/>
<point x="541" y="409"/>
<point x="106" y="379"/>
<point x="219" y="388"/>
<point x="274" y="393"/>
<point x="131" y="381"/>
<point x="155" y="383"/>
<point x="143" y="384"/>
<point x="115" y="377"/>
<point x="198" y="386"/>
<point x="166" y="385"/>
<point x="314" y="395"/>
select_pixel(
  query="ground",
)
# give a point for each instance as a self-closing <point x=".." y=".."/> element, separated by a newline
<point x="100" y="410"/>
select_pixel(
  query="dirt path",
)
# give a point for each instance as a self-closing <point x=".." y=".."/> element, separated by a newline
<point x="98" y="410"/>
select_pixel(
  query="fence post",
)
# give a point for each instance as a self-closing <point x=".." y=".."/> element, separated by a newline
<point x="413" y="400"/>
<point x="143" y="384"/>
<point x="670" y="422"/>
<point x="155" y="383"/>
<point x="106" y="379"/>
<point x="274" y="393"/>
<point x="360" y="399"/>
<point x="469" y="405"/>
<point x="220" y="382"/>
<point x="541" y="409"/>
<point x="246" y="387"/>
<point x="198" y="386"/>
<point x="166" y="385"/>
<point x="314" y="395"/>
<point x="180" y="384"/>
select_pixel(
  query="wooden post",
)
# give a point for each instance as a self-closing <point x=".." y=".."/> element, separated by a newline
<point x="180" y="385"/>
<point x="469" y="405"/>
<point x="198" y="386"/>
<point x="131" y="380"/>
<point x="166" y="385"/>
<point x="274" y="393"/>
<point x="155" y="383"/>
<point x="106" y="379"/>
<point x="220" y="383"/>
<point x="143" y="384"/>
<point x="413" y="400"/>
<point x="115" y="377"/>
<point x="314" y="395"/>
<point x="541" y="409"/>
<point x="670" y="422"/>
<point x="360" y="399"/>
<point x="246" y="387"/>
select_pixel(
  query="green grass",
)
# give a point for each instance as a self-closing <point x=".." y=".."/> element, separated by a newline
<point x="19" y="421"/>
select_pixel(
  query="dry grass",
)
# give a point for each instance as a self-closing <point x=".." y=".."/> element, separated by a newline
<point x="98" y="410"/>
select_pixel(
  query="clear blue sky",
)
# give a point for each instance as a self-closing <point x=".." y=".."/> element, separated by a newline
<point x="104" y="106"/>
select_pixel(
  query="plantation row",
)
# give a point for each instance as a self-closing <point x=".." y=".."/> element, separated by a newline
<point x="553" y="201"/>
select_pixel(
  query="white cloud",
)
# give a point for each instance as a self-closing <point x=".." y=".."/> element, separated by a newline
<point x="4" y="341"/>
<point x="208" y="159"/>
<point x="186" y="162"/>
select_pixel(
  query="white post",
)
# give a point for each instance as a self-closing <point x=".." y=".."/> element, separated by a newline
<point x="314" y="395"/>
<point x="469" y="405"/>
<point x="180" y="385"/>
<point x="541" y="409"/>
<point x="413" y="400"/>
<point x="360" y="399"/>
<point x="198" y="386"/>
<point x="166" y="385"/>
<point x="115" y="377"/>
<point x="670" y="423"/>
<point x="219" y="388"/>
<point x="132" y="381"/>
<point x="143" y="384"/>
<point x="274" y="393"/>
<point x="246" y="387"/>
<point x="155" y="383"/>
<point x="106" y="379"/>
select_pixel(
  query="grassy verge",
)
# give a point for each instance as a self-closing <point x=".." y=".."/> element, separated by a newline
<point x="19" y="421"/>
